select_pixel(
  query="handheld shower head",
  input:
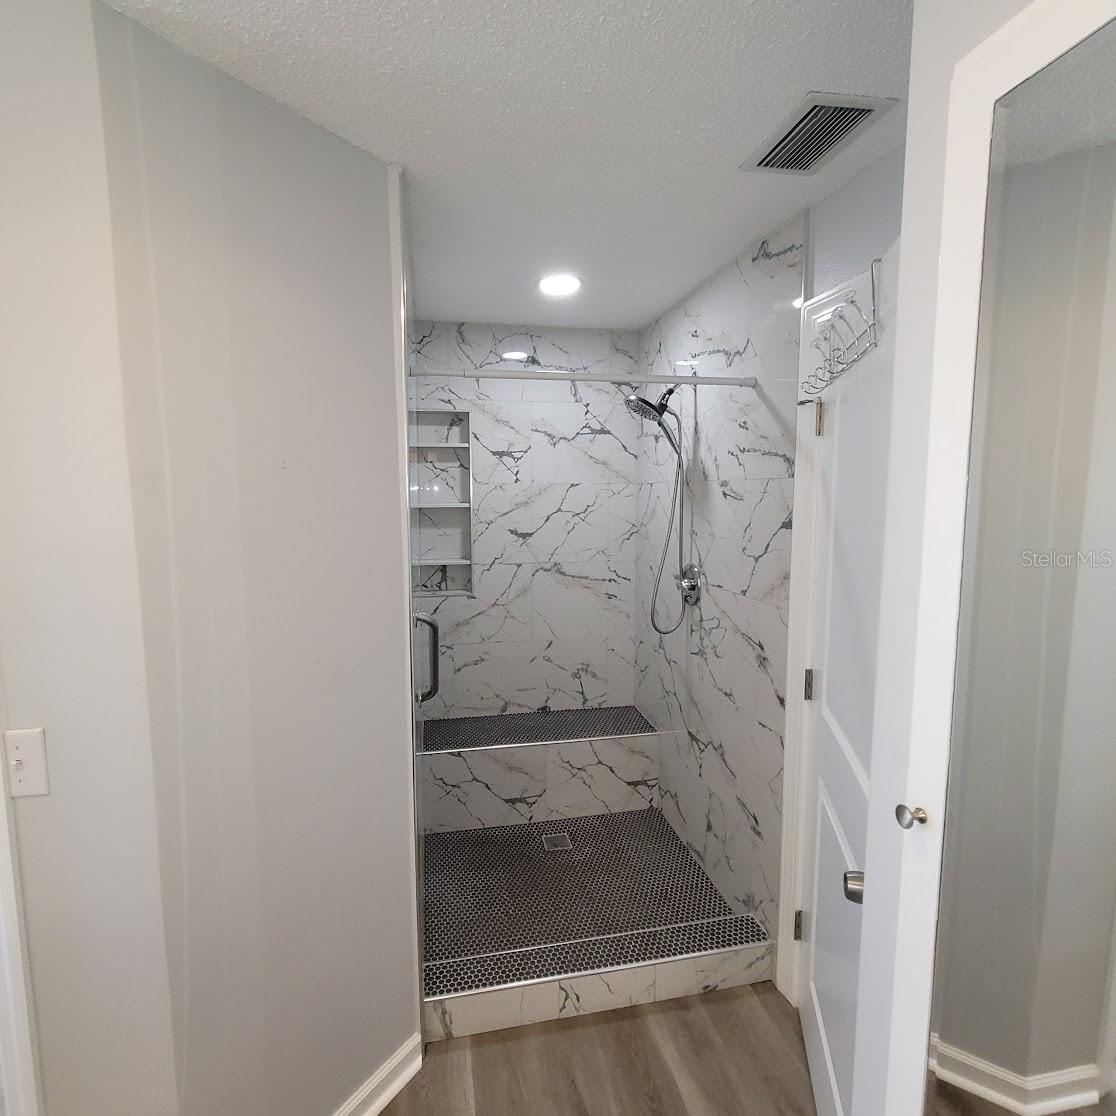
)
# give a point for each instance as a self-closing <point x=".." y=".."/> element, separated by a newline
<point x="643" y="408"/>
<point x="655" y="412"/>
<point x="689" y="575"/>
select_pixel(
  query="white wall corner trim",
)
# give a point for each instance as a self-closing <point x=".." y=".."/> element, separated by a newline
<point x="1037" y="1095"/>
<point x="383" y="1086"/>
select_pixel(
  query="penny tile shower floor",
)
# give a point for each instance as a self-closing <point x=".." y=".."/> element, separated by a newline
<point x="504" y="905"/>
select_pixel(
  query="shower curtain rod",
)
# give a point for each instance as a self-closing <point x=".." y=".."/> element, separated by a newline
<point x="592" y="377"/>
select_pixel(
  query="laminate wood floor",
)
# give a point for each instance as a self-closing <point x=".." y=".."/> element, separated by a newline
<point x="735" y="1051"/>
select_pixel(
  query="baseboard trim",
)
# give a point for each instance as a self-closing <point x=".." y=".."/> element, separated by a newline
<point x="374" y="1095"/>
<point x="1041" y="1094"/>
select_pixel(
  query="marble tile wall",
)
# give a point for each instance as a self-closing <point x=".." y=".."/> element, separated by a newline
<point x="720" y="680"/>
<point x="506" y="786"/>
<point x="478" y="1012"/>
<point x="554" y="520"/>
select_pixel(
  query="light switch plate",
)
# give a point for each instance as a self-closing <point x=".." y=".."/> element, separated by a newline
<point x="25" y="755"/>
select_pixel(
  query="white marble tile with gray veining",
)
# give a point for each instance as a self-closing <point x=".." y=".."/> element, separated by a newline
<point x="439" y="533"/>
<point x="601" y="777"/>
<point x="439" y="476"/>
<point x="494" y="1010"/>
<point x="721" y="677"/>
<point x="729" y="969"/>
<point x="507" y="786"/>
<point x="479" y="1012"/>
<point x="500" y="608"/>
<point x="583" y="442"/>
<point x="473" y="345"/>
<point x="470" y="790"/>
<point x="520" y="676"/>
<point x="583" y="600"/>
<point x="460" y="392"/>
<point x="606" y="991"/>
<point x="440" y="425"/>
<point x="742" y="535"/>
<point x="580" y="521"/>
<point x="554" y="522"/>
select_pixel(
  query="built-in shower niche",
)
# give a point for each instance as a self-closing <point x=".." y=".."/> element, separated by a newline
<point x="441" y="498"/>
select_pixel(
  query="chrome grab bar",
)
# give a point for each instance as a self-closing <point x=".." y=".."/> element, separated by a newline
<point x="423" y="696"/>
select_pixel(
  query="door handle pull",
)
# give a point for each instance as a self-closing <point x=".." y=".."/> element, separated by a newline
<point x="435" y="647"/>
<point x="854" y="887"/>
<point x="906" y="815"/>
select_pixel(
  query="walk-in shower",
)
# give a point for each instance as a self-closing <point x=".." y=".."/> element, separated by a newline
<point x="688" y="577"/>
<point x="593" y="816"/>
<point x="548" y="851"/>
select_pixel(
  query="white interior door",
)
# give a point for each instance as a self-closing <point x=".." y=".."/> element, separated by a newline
<point x="839" y="530"/>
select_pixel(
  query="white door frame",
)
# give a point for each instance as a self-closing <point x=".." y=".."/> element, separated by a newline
<point x="897" y="1002"/>
<point x="789" y="970"/>
<point x="19" y="1054"/>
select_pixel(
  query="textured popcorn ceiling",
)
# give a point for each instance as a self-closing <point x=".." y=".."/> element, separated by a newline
<point x="599" y="136"/>
<point x="1067" y="106"/>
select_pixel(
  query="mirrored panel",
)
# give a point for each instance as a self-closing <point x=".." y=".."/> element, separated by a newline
<point x="1024" y="1018"/>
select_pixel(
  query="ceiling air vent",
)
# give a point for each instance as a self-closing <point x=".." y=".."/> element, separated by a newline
<point x="814" y="132"/>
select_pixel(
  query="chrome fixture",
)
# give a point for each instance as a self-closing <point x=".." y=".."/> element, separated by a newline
<point x="844" y="335"/>
<point x="688" y="577"/>
<point x="431" y="691"/>
<point x="906" y="817"/>
<point x="854" y="887"/>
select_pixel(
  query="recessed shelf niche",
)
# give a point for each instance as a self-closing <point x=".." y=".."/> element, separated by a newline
<point x="441" y="498"/>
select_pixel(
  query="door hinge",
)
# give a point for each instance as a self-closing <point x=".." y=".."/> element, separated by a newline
<point x="819" y="417"/>
<point x="799" y="917"/>
<point x="808" y="685"/>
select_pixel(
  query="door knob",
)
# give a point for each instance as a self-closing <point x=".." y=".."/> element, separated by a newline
<point x="854" y="887"/>
<point x="906" y="817"/>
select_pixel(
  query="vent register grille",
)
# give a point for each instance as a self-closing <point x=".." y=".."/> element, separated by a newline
<point x="812" y="134"/>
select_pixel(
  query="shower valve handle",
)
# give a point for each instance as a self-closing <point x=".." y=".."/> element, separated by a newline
<point x="689" y="581"/>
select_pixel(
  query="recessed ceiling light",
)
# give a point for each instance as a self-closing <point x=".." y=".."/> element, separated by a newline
<point x="515" y="354"/>
<point x="559" y="286"/>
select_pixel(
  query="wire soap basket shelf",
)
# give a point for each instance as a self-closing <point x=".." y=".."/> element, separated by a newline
<point x="845" y="335"/>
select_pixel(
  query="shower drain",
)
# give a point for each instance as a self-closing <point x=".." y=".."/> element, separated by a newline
<point x="556" y="842"/>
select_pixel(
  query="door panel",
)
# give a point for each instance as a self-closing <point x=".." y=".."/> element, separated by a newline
<point x="836" y="940"/>
<point x="848" y="463"/>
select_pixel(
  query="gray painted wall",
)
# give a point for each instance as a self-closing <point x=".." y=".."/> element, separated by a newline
<point x="252" y="266"/>
<point x="855" y="224"/>
<point x="1028" y="884"/>
<point x="71" y="642"/>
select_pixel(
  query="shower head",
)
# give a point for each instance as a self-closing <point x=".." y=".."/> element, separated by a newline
<point x="643" y="408"/>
